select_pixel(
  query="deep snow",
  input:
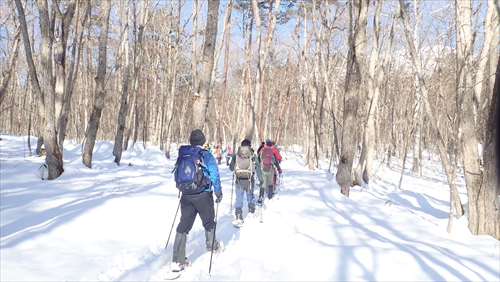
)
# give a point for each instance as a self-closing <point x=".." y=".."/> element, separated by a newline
<point x="111" y="223"/>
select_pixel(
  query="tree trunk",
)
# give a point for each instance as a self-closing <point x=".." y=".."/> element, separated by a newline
<point x="488" y="54"/>
<point x="124" y="69"/>
<point x="93" y="125"/>
<point x="465" y="107"/>
<point x="175" y="62"/>
<point x="262" y="53"/>
<point x="71" y="74"/>
<point x="200" y="104"/>
<point x="46" y="90"/>
<point x="375" y="80"/>
<point x="428" y="108"/>
<point x="284" y="92"/>
<point x="417" y="112"/>
<point x="194" y="55"/>
<point x="249" y="102"/>
<point x="62" y="28"/>
<point x="122" y="116"/>
<point x="355" y="60"/>
<point x="224" y="71"/>
<point x="489" y="192"/>
<point x="10" y="66"/>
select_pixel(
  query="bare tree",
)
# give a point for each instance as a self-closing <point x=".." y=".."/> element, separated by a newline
<point x="124" y="71"/>
<point x="44" y="82"/>
<point x="227" y="35"/>
<point x="417" y="113"/>
<point x="358" y="10"/>
<point x="262" y="53"/>
<point x="94" y="121"/>
<point x="483" y="212"/>
<point x="138" y="51"/>
<point x="4" y="82"/>
<point x="200" y="104"/>
<point x="490" y="183"/>
<point x="455" y="203"/>
<point x="66" y="70"/>
<point x="489" y="53"/>
<point x="374" y="83"/>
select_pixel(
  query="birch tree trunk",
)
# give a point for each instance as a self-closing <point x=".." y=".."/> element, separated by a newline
<point x="93" y="125"/>
<point x="227" y="35"/>
<point x="248" y="100"/>
<point x="200" y="104"/>
<point x="417" y="112"/>
<point x="375" y="80"/>
<point x="194" y="53"/>
<point x="369" y="126"/>
<point x="358" y="10"/>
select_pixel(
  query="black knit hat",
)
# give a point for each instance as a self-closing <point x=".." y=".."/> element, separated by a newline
<point x="246" y="142"/>
<point x="197" y="137"/>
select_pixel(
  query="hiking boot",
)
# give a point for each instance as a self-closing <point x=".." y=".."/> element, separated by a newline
<point x="259" y="201"/>
<point x="239" y="214"/>
<point x="176" y="267"/>
<point x="209" y="236"/>
<point x="261" y="192"/>
<point x="251" y="208"/>
<point x="270" y="193"/>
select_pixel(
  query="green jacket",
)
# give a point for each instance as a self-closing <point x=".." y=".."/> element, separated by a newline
<point x="255" y="160"/>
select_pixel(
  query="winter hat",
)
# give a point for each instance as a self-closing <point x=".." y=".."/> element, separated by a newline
<point x="246" y="142"/>
<point x="197" y="137"/>
<point x="269" y="142"/>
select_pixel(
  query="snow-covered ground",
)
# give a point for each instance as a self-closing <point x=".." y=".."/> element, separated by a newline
<point x="111" y="223"/>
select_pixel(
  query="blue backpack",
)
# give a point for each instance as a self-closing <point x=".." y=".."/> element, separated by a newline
<point x="189" y="173"/>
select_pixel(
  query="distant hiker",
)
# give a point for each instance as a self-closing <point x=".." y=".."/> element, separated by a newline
<point x="270" y="143"/>
<point x="244" y="164"/>
<point x="197" y="196"/>
<point x="260" y="149"/>
<point x="277" y="150"/>
<point x="277" y="154"/>
<point x="228" y="154"/>
<point x="269" y="165"/>
<point x="218" y="154"/>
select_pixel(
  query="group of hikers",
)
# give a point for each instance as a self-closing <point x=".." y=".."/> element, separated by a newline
<point x="197" y="177"/>
<point x="218" y="153"/>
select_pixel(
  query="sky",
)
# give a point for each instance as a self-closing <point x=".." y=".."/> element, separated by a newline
<point x="111" y="223"/>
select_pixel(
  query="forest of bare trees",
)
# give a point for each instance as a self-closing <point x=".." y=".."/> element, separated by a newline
<point x="353" y="81"/>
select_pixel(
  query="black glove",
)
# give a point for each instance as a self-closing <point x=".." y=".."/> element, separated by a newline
<point x="219" y="197"/>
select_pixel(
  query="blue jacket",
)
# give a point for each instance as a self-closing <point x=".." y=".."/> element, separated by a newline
<point x="212" y="169"/>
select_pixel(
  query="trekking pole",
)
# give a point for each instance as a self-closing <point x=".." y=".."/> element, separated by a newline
<point x="173" y="223"/>
<point x="231" y="204"/>
<point x="213" y="240"/>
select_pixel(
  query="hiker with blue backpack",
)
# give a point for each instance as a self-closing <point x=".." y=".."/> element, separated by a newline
<point x="197" y="177"/>
<point x="245" y="165"/>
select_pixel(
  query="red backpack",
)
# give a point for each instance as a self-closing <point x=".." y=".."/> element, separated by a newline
<point x="267" y="157"/>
